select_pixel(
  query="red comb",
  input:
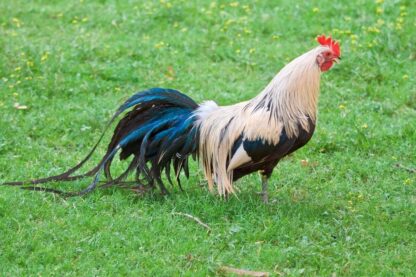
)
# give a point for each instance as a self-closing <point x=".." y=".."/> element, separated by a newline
<point x="332" y="44"/>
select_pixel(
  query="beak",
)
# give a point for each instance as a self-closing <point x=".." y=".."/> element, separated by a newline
<point x="337" y="59"/>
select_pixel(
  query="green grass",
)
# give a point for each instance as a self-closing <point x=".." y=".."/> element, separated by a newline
<point x="347" y="211"/>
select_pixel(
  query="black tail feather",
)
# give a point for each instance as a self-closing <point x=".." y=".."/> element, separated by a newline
<point x="158" y="131"/>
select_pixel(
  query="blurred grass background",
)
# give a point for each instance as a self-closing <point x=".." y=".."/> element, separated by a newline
<point x="340" y="206"/>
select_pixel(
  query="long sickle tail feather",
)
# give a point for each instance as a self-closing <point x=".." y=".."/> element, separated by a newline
<point x="66" y="176"/>
<point x="159" y="130"/>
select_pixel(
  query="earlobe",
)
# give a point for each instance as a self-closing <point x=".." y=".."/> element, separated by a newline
<point x="320" y="60"/>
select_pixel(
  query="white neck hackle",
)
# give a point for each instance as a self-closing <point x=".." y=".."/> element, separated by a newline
<point x="292" y="95"/>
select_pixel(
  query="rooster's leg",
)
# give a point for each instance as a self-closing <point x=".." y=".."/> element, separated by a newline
<point x="264" y="186"/>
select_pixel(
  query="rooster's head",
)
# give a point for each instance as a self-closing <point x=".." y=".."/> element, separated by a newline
<point x="330" y="53"/>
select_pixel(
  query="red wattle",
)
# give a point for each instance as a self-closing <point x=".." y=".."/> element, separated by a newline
<point x="326" y="66"/>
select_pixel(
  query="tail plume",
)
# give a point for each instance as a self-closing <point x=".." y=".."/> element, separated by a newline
<point x="158" y="131"/>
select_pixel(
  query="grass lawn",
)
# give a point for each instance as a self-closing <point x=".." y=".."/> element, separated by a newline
<point x="340" y="206"/>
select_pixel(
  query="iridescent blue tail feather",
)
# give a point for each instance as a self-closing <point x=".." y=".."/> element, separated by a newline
<point x="158" y="131"/>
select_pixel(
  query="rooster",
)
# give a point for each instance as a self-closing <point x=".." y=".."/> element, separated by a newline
<point x="164" y="127"/>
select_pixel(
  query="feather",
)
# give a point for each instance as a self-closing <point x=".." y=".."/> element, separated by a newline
<point x="158" y="126"/>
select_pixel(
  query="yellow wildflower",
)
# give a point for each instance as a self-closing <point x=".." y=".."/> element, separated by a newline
<point x="373" y="29"/>
<point x="380" y="22"/>
<point x="159" y="45"/>
<point x="234" y="4"/>
<point x="44" y="57"/>
<point x="315" y="10"/>
<point x="16" y="22"/>
<point x="379" y="10"/>
<point x="364" y="126"/>
<point x="228" y="22"/>
<point x="341" y="107"/>
<point x="247" y="31"/>
<point x="246" y="8"/>
<point x="252" y="50"/>
<point x="405" y="77"/>
<point x="379" y="1"/>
